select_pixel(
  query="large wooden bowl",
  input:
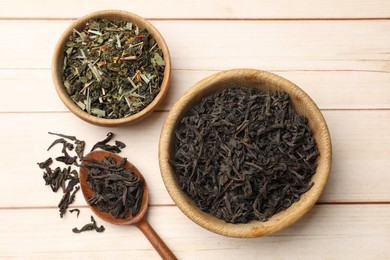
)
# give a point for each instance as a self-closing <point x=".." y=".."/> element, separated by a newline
<point x="58" y="58"/>
<point x="302" y="103"/>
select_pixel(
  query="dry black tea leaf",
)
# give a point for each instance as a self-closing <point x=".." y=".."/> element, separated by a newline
<point x="89" y="227"/>
<point x="80" y="145"/>
<point x="70" y="137"/>
<point x="75" y="210"/>
<point x="46" y="163"/>
<point x="67" y="159"/>
<point x="107" y="147"/>
<point x="119" y="144"/>
<point x="66" y="200"/>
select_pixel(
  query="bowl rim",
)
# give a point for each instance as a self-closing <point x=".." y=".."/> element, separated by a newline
<point x="57" y="62"/>
<point x="254" y="228"/>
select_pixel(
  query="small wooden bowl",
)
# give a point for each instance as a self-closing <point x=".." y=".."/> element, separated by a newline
<point x="58" y="58"/>
<point x="302" y="103"/>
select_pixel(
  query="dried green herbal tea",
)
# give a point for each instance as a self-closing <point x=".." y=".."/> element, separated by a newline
<point x="112" y="69"/>
<point x="244" y="154"/>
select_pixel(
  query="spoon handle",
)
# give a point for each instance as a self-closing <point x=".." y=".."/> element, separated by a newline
<point x="155" y="240"/>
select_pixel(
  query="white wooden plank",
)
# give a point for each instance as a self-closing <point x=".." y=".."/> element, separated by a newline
<point x="359" y="173"/>
<point x="327" y="231"/>
<point x="265" y="9"/>
<point x="209" y="45"/>
<point x="27" y="91"/>
<point x="361" y="148"/>
<point x="32" y="90"/>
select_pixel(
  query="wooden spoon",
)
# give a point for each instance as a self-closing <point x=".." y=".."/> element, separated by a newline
<point x="139" y="219"/>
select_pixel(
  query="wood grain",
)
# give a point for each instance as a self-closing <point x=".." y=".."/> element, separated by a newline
<point x="217" y="9"/>
<point x="207" y="45"/>
<point x="331" y="231"/>
<point x="329" y="89"/>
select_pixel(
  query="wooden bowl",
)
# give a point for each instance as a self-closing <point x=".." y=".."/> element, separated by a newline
<point x="58" y="58"/>
<point x="302" y="103"/>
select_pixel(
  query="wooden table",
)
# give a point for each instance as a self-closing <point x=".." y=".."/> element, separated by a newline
<point x="338" y="51"/>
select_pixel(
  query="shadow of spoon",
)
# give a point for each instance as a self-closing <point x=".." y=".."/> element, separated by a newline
<point x="139" y="219"/>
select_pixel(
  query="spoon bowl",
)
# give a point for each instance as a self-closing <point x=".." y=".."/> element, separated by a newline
<point x="140" y="218"/>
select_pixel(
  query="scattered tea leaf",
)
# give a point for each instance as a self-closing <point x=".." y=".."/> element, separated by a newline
<point x="120" y="144"/>
<point x="89" y="227"/>
<point x="70" y="137"/>
<point x="80" y="146"/>
<point x="46" y="163"/>
<point x="67" y="178"/>
<point x="66" y="200"/>
<point x="104" y="146"/>
<point x="75" y="210"/>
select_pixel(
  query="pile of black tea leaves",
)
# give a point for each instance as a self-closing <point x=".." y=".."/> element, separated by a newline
<point x="244" y="154"/>
<point x="66" y="178"/>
